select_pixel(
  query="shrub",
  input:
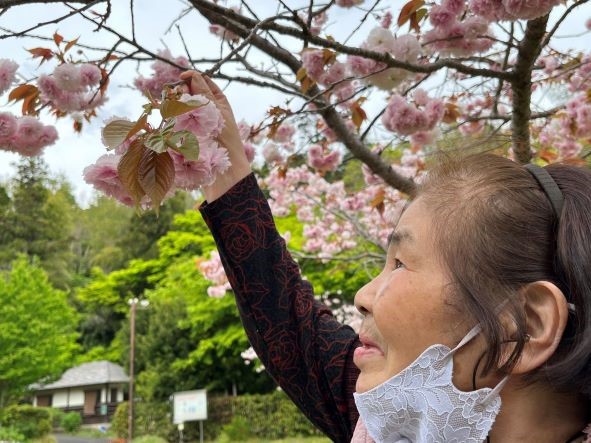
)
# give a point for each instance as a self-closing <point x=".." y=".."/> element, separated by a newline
<point x="238" y="429"/>
<point x="28" y="420"/>
<point x="71" y="421"/>
<point x="149" y="439"/>
<point x="10" y="434"/>
<point x="149" y="419"/>
<point x="55" y="417"/>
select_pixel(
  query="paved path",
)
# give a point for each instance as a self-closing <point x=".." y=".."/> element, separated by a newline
<point x="62" y="438"/>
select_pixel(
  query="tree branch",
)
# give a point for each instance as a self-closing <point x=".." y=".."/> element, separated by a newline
<point x="527" y="53"/>
<point x="329" y="113"/>
<point x="383" y="57"/>
<point x="10" y="3"/>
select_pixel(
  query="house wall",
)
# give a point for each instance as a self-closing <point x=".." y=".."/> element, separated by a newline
<point x="76" y="395"/>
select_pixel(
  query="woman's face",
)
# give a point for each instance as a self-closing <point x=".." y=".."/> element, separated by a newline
<point x="406" y="307"/>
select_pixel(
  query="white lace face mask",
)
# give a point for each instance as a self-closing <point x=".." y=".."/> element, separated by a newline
<point x="421" y="404"/>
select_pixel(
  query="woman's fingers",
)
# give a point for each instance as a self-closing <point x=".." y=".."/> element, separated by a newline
<point x="197" y="84"/>
<point x="216" y="91"/>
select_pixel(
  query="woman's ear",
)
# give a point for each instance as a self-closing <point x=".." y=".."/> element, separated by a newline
<point x="546" y="311"/>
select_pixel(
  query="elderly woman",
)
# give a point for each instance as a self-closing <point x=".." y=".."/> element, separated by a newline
<point x="477" y="329"/>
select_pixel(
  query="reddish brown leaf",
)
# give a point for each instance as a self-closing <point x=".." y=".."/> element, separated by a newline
<point x="30" y="105"/>
<point x="452" y="112"/>
<point x="408" y="9"/>
<point x="156" y="175"/>
<point x="70" y="44"/>
<point x="44" y="53"/>
<point x="548" y="155"/>
<point x="57" y="38"/>
<point x="77" y="126"/>
<point x="104" y="81"/>
<point x="357" y="115"/>
<point x="22" y="91"/>
<point x="139" y="125"/>
<point x="329" y="56"/>
<point x="128" y="171"/>
<point x="301" y="74"/>
<point x="378" y="201"/>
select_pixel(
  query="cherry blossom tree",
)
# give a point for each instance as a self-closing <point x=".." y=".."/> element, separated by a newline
<point x="362" y="109"/>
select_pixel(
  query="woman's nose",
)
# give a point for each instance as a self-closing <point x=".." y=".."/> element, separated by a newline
<point x="365" y="296"/>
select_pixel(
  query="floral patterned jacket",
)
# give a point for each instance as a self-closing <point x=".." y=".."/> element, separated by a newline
<point x="303" y="347"/>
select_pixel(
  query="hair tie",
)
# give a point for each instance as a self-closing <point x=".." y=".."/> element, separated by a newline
<point x="549" y="187"/>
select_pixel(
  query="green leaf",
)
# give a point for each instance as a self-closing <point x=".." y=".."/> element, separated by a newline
<point x="156" y="142"/>
<point x="168" y="127"/>
<point x="173" y="108"/>
<point x="115" y="132"/>
<point x="189" y="145"/>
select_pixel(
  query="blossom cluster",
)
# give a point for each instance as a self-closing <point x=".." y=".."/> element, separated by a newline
<point x="452" y="35"/>
<point x="162" y="74"/>
<point x="205" y="122"/>
<point x="332" y="217"/>
<point x="500" y="10"/>
<point x="405" y="48"/>
<point x="25" y="135"/>
<point x="213" y="271"/>
<point x="8" y="70"/>
<point x="72" y="87"/>
<point x="405" y="118"/>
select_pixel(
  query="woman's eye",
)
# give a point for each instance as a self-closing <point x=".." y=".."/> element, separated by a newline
<point x="398" y="264"/>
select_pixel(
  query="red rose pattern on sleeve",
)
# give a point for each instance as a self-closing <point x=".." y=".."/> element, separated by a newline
<point x="303" y="347"/>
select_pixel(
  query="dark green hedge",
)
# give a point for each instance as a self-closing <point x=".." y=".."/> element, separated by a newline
<point x="27" y="420"/>
<point x="270" y="416"/>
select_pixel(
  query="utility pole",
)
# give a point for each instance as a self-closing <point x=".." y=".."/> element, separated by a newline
<point x="133" y="303"/>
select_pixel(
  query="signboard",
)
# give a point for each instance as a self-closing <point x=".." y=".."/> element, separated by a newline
<point x="190" y="406"/>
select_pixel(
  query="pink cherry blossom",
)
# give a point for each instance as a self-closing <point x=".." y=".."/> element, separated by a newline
<point x="206" y="121"/>
<point x="323" y="160"/>
<point x="90" y="75"/>
<point x="386" y="21"/>
<point x="313" y="61"/>
<point x="284" y="133"/>
<point x="104" y="177"/>
<point x="455" y="6"/>
<point x="272" y="154"/>
<point x="7" y="74"/>
<point x="249" y="150"/>
<point x="407" y="48"/>
<point x="192" y="174"/>
<point x="423" y="138"/>
<point x="442" y="17"/>
<point x="162" y="73"/>
<point x="492" y="10"/>
<point x="402" y="117"/>
<point x="348" y="3"/>
<point x="335" y="73"/>
<point x="529" y="9"/>
<point x="67" y="77"/>
<point x="588" y="24"/>
<point x="223" y="33"/>
<point x="213" y="271"/>
<point x="8" y="126"/>
<point x="380" y="38"/>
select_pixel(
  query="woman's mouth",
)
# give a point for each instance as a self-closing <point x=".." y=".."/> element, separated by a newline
<point x="368" y="349"/>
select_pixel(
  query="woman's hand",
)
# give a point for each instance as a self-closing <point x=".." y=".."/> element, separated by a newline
<point x="229" y="138"/>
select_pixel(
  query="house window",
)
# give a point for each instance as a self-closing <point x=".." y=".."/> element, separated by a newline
<point x="113" y="395"/>
<point x="44" y="400"/>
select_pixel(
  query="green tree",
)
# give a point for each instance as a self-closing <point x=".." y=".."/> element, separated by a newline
<point x="38" y="220"/>
<point x="37" y="329"/>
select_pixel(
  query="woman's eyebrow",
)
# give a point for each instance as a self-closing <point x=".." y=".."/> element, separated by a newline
<point x="397" y="237"/>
